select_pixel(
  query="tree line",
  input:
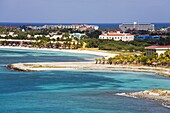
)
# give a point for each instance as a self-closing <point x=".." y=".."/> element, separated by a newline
<point x="142" y="59"/>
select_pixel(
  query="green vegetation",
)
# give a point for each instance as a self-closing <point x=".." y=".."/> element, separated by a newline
<point x="136" y="45"/>
<point x="155" y="60"/>
<point x="91" y="39"/>
<point x="119" y="46"/>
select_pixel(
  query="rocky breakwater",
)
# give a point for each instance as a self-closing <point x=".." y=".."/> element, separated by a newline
<point x="20" y="67"/>
<point x="161" y="96"/>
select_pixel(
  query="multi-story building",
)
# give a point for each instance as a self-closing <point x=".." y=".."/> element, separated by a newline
<point x="117" y="36"/>
<point x="135" y="26"/>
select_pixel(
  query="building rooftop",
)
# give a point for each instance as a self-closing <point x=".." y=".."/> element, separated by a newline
<point x="116" y="34"/>
<point x="158" y="47"/>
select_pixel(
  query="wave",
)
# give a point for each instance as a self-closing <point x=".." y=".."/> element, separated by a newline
<point x="165" y="105"/>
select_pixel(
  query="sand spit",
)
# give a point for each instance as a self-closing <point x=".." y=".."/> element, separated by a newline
<point x="86" y="66"/>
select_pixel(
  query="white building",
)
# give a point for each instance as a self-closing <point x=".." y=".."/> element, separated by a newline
<point x="95" y="27"/>
<point x="117" y="36"/>
<point x="158" y="49"/>
<point x="36" y="36"/>
<point x="29" y="36"/>
<point x="12" y="34"/>
<point x="3" y="35"/>
<point x="56" y="37"/>
<point x="47" y="36"/>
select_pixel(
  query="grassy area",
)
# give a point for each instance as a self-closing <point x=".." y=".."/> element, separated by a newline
<point x="110" y="51"/>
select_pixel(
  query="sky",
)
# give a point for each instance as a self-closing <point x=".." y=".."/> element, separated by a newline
<point x="85" y="11"/>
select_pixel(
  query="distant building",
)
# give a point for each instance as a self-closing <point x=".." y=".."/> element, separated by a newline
<point x="36" y="36"/>
<point x="12" y="34"/>
<point x="83" y="28"/>
<point x="158" y="49"/>
<point x="15" y="42"/>
<point x="75" y="26"/>
<point x="135" y="26"/>
<point x="143" y="37"/>
<point x="59" y="26"/>
<point x="117" y="36"/>
<point x="29" y="36"/>
<point x="78" y="35"/>
<point x="56" y="37"/>
<point x="3" y="35"/>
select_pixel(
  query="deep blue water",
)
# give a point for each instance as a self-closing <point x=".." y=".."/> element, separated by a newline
<point x="101" y="25"/>
<point x="72" y="91"/>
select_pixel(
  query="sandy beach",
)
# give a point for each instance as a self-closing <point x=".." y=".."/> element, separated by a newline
<point x="82" y="65"/>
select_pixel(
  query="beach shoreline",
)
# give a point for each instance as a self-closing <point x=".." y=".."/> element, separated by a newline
<point x="52" y="66"/>
<point x="92" y="52"/>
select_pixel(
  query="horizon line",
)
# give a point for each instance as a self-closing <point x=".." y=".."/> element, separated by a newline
<point x="82" y="22"/>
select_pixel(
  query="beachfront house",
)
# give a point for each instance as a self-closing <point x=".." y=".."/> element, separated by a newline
<point x="150" y="50"/>
<point x="16" y="42"/>
<point x="117" y="36"/>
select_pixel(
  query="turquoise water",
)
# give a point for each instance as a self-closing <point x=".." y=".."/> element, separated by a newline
<point x="72" y="91"/>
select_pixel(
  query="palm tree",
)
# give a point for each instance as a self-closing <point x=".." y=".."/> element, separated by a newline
<point x="57" y="45"/>
<point x="96" y="60"/>
<point x="103" y="60"/>
<point x="110" y="60"/>
<point x="100" y="60"/>
<point x="148" y="62"/>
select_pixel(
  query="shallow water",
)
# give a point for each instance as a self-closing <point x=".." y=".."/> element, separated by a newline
<point x="72" y="91"/>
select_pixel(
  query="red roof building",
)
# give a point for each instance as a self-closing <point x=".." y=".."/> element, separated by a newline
<point x="117" y="36"/>
<point x="150" y="50"/>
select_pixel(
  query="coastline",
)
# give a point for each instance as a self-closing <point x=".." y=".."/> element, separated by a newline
<point x="160" y="96"/>
<point x="96" y="52"/>
<point x="42" y="66"/>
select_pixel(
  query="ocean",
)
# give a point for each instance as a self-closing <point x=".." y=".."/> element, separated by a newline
<point x="101" y="25"/>
<point x="75" y="91"/>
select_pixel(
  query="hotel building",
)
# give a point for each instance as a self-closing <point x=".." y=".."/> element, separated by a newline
<point x="136" y="26"/>
<point x="117" y="36"/>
